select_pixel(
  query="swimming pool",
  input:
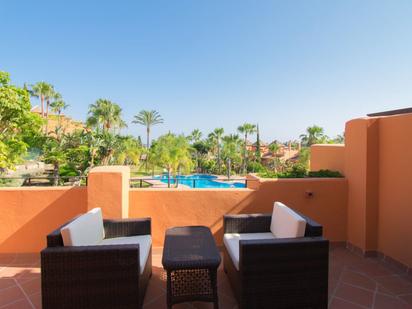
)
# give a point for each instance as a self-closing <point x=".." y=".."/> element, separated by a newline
<point x="201" y="181"/>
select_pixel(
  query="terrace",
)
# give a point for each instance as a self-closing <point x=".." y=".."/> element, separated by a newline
<point x="366" y="217"/>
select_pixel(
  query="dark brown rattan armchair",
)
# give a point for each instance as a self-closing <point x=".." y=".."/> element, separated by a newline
<point x="102" y="276"/>
<point x="278" y="273"/>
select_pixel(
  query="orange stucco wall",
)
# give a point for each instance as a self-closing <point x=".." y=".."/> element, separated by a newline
<point x="169" y="207"/>
<point x="395" y="187"/>
<point x="327" y="157"/>
<point x="108" y="189"/>
<point x="27" y="215"/>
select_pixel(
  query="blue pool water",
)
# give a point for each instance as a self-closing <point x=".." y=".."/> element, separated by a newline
<point x="201" y="181"/>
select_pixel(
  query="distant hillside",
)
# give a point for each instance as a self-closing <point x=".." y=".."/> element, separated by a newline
<point x="68" y="124"/>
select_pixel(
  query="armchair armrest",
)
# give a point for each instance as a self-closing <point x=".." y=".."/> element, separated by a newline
<point x="127" y="227"/>
<point x="250" y="223"/>
<point x="95" y="275"/>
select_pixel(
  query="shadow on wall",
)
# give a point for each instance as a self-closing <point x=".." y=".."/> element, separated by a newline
<point x="32" y="214"/>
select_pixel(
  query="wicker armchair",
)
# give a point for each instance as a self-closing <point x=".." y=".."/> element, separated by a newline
<point x="277" y="273"/>
<point x="101" y="276"/>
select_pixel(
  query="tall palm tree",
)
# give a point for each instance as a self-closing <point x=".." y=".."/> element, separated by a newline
<point x="148" y="119"/>
<point x="41" y="90"/>
<point x="314" y="134"/>
<point x="216" y="137"/>
<point x="246" y="129"/>
<point x="51" y="95"/>
<point x="105" y="114"/>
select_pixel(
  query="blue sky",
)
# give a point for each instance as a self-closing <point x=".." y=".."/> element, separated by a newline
<point x="205" y="64"/>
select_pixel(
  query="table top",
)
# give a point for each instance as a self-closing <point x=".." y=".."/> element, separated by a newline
<point x="190" y="247"/>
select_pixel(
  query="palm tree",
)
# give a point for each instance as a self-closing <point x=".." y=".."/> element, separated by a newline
<point x="314" y="134"/>
<point x="148" y="119"/>
<point x="216" y="137"/>
<point x="232" y="145"/>
<point x="51" y="94"/>
<point x="195" y="136"/>
<point x="172" y="153"/>
<point x="106" y="114"/>
<point x="58" y="107"/>
<point x="41" y="90"/>
<point x="246" y="129"/>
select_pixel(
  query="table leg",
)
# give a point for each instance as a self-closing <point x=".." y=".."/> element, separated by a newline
<point x="169" y="290"/>
<point x="213" y="277"/>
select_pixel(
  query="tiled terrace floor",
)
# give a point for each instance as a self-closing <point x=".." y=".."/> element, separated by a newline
<point x="354" y="282"/>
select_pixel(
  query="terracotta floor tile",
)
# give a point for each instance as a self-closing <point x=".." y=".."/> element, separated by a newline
<point x="389" y="302"/>
<point x="351" y="277"/>
<point x="19" y="271"/>
<point x="407" y="298"/>
<point x="343" y="304"/>
<point x="395" y="284"/>
<point x="20" y="304"/>
<point x="154" y="290"/>
<point x="382" y="290"/>
<point x="357" y="279"/>
<point x="36" y="300"/>
<point x="10" y="295"/>
<point x="31" y="285"/>
<point x="356" y="295"/>
<point x="370" y="268"/>
<point x="6" y="283"/>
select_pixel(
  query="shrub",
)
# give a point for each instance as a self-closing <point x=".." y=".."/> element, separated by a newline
<point x="68" y="171"/>
<point x="325" y="173"/>
<point x="296" y="171"/>
<point x="255" y="167"/>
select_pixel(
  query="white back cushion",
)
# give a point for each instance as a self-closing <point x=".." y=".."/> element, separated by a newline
<point x="286" y="223"/>
<point x="86" y="230"/>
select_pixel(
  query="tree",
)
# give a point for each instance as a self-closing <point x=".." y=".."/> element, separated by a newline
<point x="172" y="153"/>
<point x="54" y="153"/>
<point x="49" y="95"/>
<point x="274" y="148"/>
<point x="339" y="139"/>
<point x="231" y="150"/>
<point x="41" y="90"/>
<point x="258" y="154"/>
<point x="148" y="119"/>
<point x="313" y="135"/>
<point x="58" y="107"/>
<point x="216" y="137"/>
<point x="246" y="129"/>
<point x="17" y="122"/>
<point x="128" y="152"/>
<point x="106" y="115"/>
<point x="195" y="136"/>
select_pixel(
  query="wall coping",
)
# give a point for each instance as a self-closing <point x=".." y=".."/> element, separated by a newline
<point x="51" y="188"/>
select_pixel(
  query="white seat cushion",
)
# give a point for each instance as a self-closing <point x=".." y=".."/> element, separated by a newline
<point x="85" y="230"/>
<point x="144" y="242"/>
<point x="231" y="242"/>
<point x="286" y="223"/>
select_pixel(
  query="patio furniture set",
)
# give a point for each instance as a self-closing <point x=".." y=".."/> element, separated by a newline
<point x="277" y="260"/>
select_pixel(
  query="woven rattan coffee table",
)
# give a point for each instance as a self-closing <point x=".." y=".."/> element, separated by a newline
<point x="191" y="259"/>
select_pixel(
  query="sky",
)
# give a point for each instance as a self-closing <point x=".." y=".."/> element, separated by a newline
<point x="285" y="65"/>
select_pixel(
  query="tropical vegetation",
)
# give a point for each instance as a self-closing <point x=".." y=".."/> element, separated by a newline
<point x="73" y="152"/>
